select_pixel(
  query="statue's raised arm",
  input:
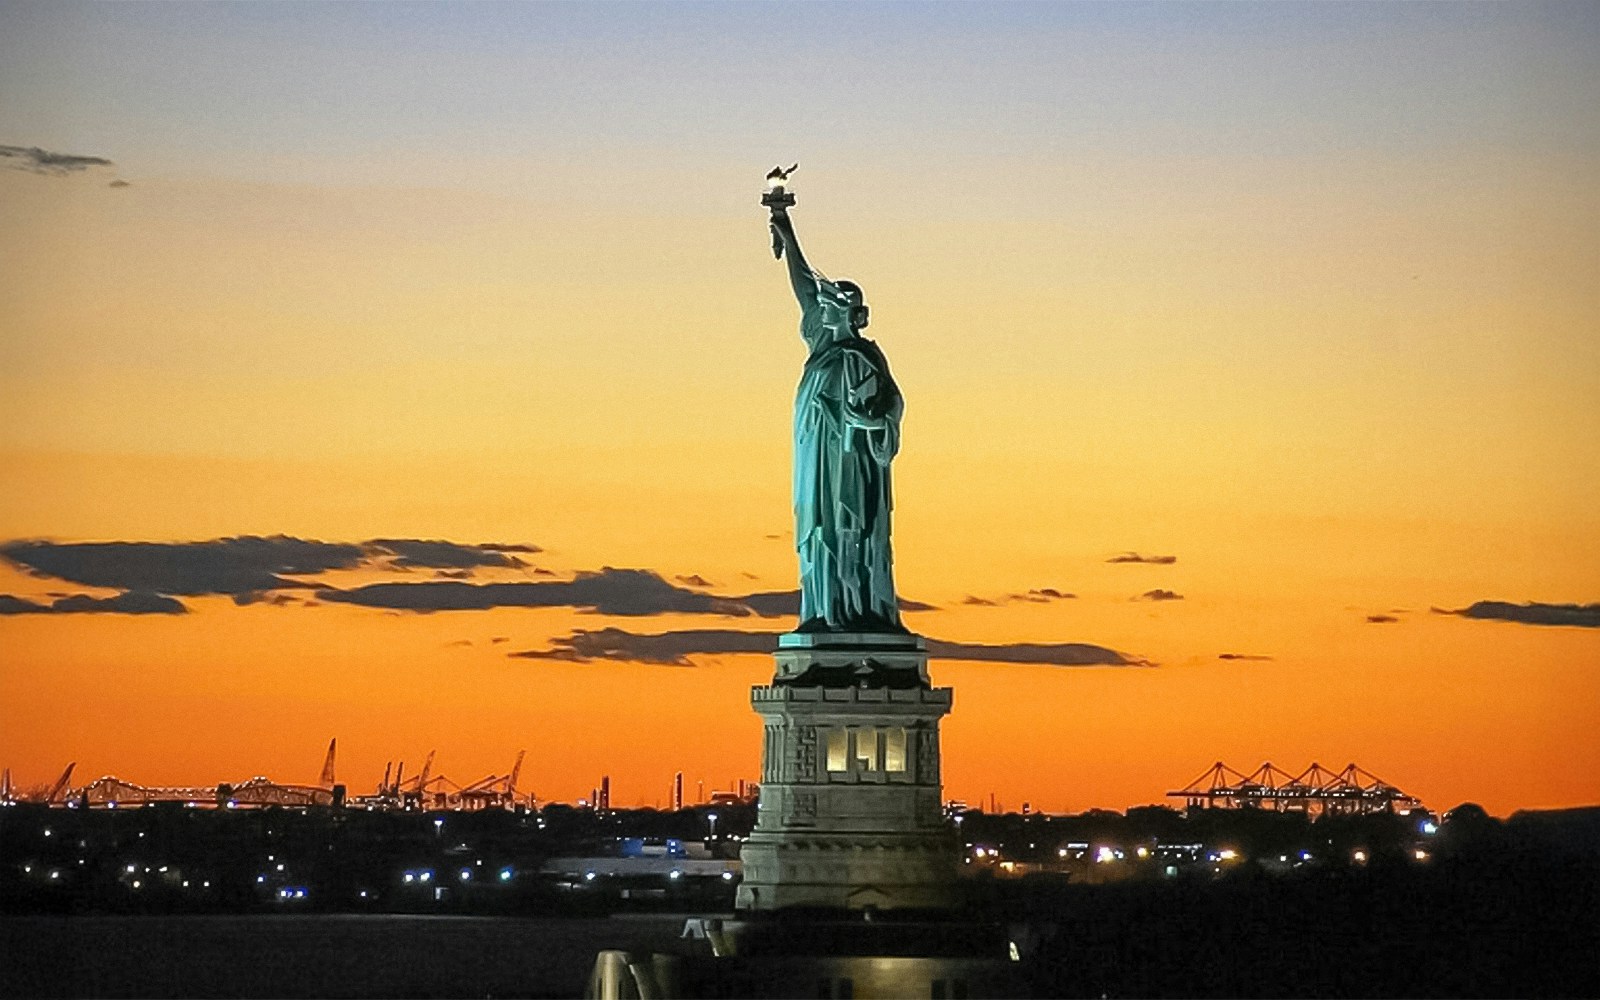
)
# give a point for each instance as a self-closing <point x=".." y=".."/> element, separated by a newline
<point x="804" y="280"/>
<point x="785" y="245"/>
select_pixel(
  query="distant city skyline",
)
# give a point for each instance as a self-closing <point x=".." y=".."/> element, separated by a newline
<point x="420" y="375"/>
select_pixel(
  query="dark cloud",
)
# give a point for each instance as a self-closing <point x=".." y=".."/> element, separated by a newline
<point x="436" y="554"/>
<point x="133" y="602"/>
<point x="624" y="592"/>
<point x="263" y="597"/>
<point x="42" y="161"/>
<point x="1243" y="656"/>
<point x="458" y="642"/>
<point x="232" y="566"/>
<point x="1159" y="595"/>
<point x="452" y="574"/>
<point x="770" y="603"/>
<point x="667" y="649"/>
<point x="119" y="183"/>
<point x="497" y="640"/>
<point x="675" y="649"/>
<point x="1532" y="613"/>
<point x="1054" y="654"/>
<point x="509" y="547"/>
<point x="1381" y="619"/>
<point x="243" y="566"/>
<point x="1042" y="595"/>
<point x="1134" y="557"/>
<point x="693" y="580"/>
<point x="1038" y="595"/>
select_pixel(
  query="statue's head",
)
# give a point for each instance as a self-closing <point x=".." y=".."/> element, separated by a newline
<point x="844" y="304"/>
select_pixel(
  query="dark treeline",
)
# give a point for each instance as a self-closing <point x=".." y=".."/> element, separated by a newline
<point x="1339" y="906"/>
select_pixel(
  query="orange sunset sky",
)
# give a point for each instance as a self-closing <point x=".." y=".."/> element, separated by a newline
<point x="1298" y="303"/>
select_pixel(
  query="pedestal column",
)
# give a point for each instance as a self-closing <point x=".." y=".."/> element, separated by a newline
<point x="850" y="810"/>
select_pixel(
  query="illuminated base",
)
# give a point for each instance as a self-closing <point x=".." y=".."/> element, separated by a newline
<point x="850" y="811"/>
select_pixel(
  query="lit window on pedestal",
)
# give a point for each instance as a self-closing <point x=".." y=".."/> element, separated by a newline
<point x="867" y="749"/>
<point x="894" y="750"/>
<point x="838" y="750"/>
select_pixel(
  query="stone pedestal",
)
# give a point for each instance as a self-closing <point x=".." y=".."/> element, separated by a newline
<point x="850" y="811"/>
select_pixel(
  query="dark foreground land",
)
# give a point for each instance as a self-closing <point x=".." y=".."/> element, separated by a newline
<point x="180" y="905"/>
<point x="312" y="956"/>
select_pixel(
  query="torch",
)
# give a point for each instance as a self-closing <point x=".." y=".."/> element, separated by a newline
<point x="778" y="199"/>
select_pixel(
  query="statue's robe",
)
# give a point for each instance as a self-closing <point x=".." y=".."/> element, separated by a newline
<point x="846" y="431"/>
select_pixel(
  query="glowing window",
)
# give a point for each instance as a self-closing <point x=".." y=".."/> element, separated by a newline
<point x="894" y="750"/>
<point x="838" y="749"/>
<point x="867" y="749"/>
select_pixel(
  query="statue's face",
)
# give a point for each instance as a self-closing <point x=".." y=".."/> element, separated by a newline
<point x="835" y="312"/>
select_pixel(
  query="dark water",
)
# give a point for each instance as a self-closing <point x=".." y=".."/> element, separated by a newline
<point x="311" y="956"/>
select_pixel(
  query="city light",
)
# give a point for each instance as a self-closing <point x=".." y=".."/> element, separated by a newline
<point x="1228" y="855"/>
<point x="727" y="876"/>
<point x="466" y="874"/>
<point x="1428" y="827"/>
<point x="505" y="874"/>
<point x="1105" y="854"/>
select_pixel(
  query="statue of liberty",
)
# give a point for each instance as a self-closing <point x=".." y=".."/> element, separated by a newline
<point x="846" y="432"/>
